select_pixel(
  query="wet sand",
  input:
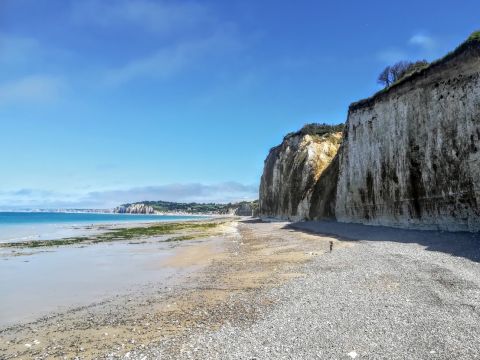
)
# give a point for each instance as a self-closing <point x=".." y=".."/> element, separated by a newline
<point x="207" y="283"/>
<point x="61" y="230"/>
<point x="37" y="281"/>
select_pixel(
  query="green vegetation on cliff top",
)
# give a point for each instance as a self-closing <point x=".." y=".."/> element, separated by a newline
<point x="317" y="129"/>
<point x="475" y="37"/>
<point x="472" y="41"/>
<point x="195" y="208"/>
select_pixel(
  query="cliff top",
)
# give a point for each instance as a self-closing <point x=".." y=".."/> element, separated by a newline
<point x="193" y="207"/>
<point x="474" y="37"/>
<point x="316" y="129"/>
<point x="472" y="42"/>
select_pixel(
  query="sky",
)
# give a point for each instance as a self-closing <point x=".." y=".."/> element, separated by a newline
<point x="104" y="102"/>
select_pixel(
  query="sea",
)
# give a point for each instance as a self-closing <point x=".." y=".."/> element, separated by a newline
<point x="35" y="282"/>
<point x="27" y="226"/>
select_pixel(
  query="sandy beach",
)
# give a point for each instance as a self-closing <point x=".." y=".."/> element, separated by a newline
<point x="255" y="290"/>
<point x="42" y="276"/>
<point x="239" y="180"/>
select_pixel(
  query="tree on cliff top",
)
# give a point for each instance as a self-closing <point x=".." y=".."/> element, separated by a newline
<point x="394" y="73"/>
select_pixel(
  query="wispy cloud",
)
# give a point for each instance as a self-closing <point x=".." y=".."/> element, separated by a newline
<point x="419" y="46"/>
<point x="27" y="64"/>
<point x="424" y="41"/>
<point x="181" y="34"/>
<point x="156" y="16"/>
<point x="28" y="198"/>
<point x="186" y="192"/>
<point x="221" y="192"/>
<point x="29" y="192"/>
<point x="26" y="53"/>
<point x="32" y="89"/>
<point x="18" y="49"/>
<point x="169" y="61"/>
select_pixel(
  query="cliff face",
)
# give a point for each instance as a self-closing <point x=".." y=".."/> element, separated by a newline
<point x="244" y="209"/>
<point x="411" y="155"/>
<point x="294" y="171"/>
<point x="134" y="209"/>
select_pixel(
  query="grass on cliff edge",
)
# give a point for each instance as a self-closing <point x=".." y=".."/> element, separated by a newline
<point x="122" y="234"/>
<point x="472" y="40"/>
<point x="475" y="37"/>
<point x="317" y="129"/>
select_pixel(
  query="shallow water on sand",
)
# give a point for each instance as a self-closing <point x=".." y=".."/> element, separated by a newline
<point x="25" y="226"/>
<point x="34" y="284"/>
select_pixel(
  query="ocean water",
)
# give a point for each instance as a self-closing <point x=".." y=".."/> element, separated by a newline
<point x="36" y="282"/>
<point x="41" y="282"/>
<point x="22" y="226"/>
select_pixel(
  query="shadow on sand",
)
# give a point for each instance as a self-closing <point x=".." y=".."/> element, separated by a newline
<point x="253" y="221"/>
<point x="462" y="244"/>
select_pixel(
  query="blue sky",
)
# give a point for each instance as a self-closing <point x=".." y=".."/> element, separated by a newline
<point x="104" y="102"/>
